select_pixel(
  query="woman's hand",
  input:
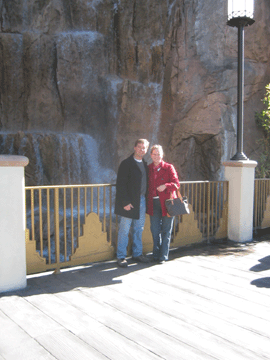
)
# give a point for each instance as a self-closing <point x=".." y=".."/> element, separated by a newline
<point x="161" y="188"/>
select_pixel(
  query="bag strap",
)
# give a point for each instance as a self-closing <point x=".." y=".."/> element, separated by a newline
<point x="178" y="195"/>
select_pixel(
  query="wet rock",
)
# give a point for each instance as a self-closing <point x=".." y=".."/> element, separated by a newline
<point x="119" y="70"/>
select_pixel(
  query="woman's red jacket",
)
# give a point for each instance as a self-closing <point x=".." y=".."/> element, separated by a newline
<point x="167" y="175"/>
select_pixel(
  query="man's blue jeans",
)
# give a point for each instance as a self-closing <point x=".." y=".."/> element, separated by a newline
<point x="137" y="230"/>
<point x="161" y="228"/>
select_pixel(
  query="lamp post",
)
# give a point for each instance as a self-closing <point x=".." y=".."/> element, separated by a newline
<point x="240" y="14"/>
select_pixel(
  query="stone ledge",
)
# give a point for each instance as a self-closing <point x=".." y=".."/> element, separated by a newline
<point x="240" y="163"/>
<point x="13" y="160"/>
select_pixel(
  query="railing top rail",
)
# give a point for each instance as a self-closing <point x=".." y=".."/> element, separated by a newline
<point x="66" y="186"/>
<point x="203" y="181"/>
<point x="104" y="185"/>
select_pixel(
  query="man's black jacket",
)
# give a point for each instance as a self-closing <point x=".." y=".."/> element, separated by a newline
<point x="128" y="188"/>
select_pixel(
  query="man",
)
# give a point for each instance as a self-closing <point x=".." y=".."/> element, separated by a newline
<point x="130" y="204"/>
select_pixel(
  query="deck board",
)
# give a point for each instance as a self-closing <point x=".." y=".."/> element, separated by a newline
<point x="208" y="302"/>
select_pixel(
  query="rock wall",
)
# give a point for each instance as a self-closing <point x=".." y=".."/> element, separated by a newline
<point x="116" y="70"/>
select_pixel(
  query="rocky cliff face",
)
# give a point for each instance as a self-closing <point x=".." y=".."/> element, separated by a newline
<point x="105" y="72"/>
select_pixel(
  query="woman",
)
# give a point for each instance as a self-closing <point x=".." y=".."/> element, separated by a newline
<point x="162" y="181"/>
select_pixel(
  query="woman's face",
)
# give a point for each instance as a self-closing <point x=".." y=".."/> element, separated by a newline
<point x="156" y="157"/>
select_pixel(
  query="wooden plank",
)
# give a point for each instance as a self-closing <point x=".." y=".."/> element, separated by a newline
<point x="184" y="322"/>
<point x="207" y="321"/>
<point x="200" y="305"/>
<point x="28" y="317"/>
<point x="223" y="311"/>
<point x="87" y="329"/>
<point x="211" y="294"/>
<point x="15" y="343"/>
<point x="146" y="336"/>
<point x="220" y="281"/>
<point x="64" y="345"/>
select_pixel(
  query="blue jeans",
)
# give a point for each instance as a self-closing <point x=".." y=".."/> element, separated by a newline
<point x="161" y="228"/>
<point x="137" y="230"/>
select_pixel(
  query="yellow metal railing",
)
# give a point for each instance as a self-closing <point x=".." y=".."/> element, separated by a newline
<point x="261" y="204"/>
<point x="71" y="225"/>
<point x="55" y="216"/>
<point x="209" y="204"/>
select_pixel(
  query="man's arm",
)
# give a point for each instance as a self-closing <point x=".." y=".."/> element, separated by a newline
<point x="123" y="178"/>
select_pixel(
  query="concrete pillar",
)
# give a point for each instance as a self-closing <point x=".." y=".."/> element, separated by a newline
<point x="12" y="223"/>
<point x="241" y="176"/>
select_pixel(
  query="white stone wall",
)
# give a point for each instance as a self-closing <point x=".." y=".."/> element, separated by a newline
<point x="12" y="223"/>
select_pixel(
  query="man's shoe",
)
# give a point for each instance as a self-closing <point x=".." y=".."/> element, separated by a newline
<point x="161" y="262"/>
<point x="141" y="258"/>
<point x="122" y="263"/>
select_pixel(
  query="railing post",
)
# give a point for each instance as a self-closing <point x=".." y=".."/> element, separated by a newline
<point x="12" y="223"/>
<point x="240" y="174"/>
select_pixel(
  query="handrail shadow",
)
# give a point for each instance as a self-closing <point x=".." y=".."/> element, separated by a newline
<point x="108" y="273"/>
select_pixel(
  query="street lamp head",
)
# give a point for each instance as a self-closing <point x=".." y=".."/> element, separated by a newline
<point x="240" y="12"/>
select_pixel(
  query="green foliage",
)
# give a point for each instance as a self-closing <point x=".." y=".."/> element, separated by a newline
<point x="262" y="120"/>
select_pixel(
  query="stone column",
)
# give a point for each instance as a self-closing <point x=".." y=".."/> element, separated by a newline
<point x="12" y="223"/>
<point x="241" y="175"/>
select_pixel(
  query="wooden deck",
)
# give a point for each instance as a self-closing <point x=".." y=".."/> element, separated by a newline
<point x="208" y="302"/>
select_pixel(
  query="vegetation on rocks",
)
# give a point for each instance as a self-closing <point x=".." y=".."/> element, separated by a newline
<point x="263" y="122"/>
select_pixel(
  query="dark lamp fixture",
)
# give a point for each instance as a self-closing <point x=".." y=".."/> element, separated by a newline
<point x="240" y="14"/>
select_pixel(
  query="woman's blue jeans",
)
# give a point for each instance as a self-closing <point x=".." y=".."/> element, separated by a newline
<point x="161" y="228"/>
<point x="137" y="230"/>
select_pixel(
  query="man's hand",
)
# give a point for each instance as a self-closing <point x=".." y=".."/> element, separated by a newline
<point x="128" y="207"/>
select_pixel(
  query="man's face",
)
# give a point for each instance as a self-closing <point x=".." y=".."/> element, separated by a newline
<point x="139" y="151"/>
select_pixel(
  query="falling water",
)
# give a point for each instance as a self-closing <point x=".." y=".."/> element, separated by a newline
<point x="58" y="159"/>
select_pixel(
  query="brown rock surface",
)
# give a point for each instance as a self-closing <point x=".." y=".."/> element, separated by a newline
<point x="106" y="72"/>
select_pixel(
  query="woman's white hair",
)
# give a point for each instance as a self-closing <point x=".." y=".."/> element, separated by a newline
<point x="159" y="148"/>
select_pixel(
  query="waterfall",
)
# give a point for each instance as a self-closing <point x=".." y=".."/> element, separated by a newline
<point x="58" y="159"/>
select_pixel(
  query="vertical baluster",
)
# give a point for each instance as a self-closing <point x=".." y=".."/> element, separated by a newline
<point x="49" y="226"/>
<point x="220" y="201"/>
<point x="40" y="222"/>
<point x="65" y="222"/>
<point x="72" y="219"/>
<point x="92" y="199"/>
<point x="225" y="194"/>
<point x="85" y="204"/>
<point x="104" y="208"/>
<point x="198" y="204"/>
<point x="261" y="202"/>
<point x="25" y="212"/>
<point x="257" y="203"/>
<point x="200" y="207"/>
<point x="204" y="208"/>
<point x="79" y="213"/>
<point x="264" y="195"/>
<point x="110" y="221"/>
<point x="32" y="214"/>
<point x="116" y="228"/>
<point x="56" y="230"/>
<point x="208" y="210"/>
<point x="98" y="194"/>
<point x="191" y="200"/>
<point x="213" y="188"/>
<point x="174" y="229"/>
<point x="217" y="205"/>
